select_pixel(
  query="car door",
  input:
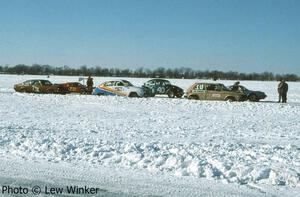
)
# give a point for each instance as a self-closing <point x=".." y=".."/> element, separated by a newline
<point x="27" y="86"/>
<point x="161" y="89"/>
<point x="152" y="86"/>
<point x="48" y="87"/>
<point x="74" y="87"/>
<point x="37" y="86"/>
<point x="214" y="92"/>
<point x="119" y="86"/>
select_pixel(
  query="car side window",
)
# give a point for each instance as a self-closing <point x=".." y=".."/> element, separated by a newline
<point x="36" y="83"/>
<point x="118" y="83"/>
<point x="150" y="83"/>
<point x="218" y="88"/>
<point x="211" y="87"/>
<point x="46" y="83"/>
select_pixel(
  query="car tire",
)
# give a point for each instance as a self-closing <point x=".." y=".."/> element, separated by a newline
<point x="133" y="95"/>
<point x="230" y="99"/>
<point x="253" y="98"/>
<point x="193" y="97"/>
<point x="171" y="94"/>
<point x="179" y="95"/>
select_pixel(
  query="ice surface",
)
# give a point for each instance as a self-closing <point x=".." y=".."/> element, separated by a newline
<point x="251" y="144"/>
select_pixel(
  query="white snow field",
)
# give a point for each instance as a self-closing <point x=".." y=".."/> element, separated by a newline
<point x="151" y="146"/>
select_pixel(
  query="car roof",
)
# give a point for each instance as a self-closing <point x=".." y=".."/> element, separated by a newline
<point x="119" y="80"/>
<point x="159" y="80"/>
<point x="37" y="80"/>
<point x="208" y="83"/>
<point x="73" y="83"/>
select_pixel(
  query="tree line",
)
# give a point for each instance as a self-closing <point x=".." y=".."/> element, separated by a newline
<point x="160" y="72"/>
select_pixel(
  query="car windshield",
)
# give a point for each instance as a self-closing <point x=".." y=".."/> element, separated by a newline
<point x="109" y="83"/>
<point x="243" y="88"/>
<point x="126" y="83"/>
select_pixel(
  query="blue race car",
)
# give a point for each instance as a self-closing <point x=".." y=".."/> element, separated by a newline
<point x="119" y="88"/>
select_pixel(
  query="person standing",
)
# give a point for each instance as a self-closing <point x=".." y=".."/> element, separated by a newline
<point x="282" y="91"/>
<point x="90" y="84"/>
<point x="235" y="86"/>
<point x="279" y="89"/>
<point x="285" y="89"/>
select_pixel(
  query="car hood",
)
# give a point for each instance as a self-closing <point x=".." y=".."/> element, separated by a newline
<point x="255" y="92"/>
<point x="233" y="92"/>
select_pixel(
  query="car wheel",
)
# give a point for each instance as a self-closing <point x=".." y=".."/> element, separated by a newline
<point x="193" y="97"/>
<point x="133" y="94"/>
<point x="252" y="97"/>
<point x="230" y="99"/>
<point x="171" y="94"/>
<point x="179" y="95"/>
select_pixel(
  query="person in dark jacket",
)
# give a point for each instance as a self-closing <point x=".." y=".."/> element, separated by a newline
<point x="282" y="91"/>
<point x="285" y="89"/>
<point x="279" y="89"/>
<point x="235" y="86"/>
<point x="90" y="84"/>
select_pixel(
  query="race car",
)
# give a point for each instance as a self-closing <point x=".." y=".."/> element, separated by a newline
<point x="162" y="86"/>
<point x="213" y="91"/>
<point x="119" y="88"/>
<point x="39" y="86"/>
<point x="251" y="94"/>
<point x="74" y="87"/>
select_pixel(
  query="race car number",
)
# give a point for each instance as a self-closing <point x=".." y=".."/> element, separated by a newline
<point x="161" y="90"/>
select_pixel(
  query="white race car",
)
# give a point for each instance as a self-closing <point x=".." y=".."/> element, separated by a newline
<point x="119" y="88"/>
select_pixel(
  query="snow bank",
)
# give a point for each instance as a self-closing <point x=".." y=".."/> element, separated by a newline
<point x="233" y="163"/>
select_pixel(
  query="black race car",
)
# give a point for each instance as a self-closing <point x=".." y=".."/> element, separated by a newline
<point x="251" y="94"/>
<point x="162" y="86"/>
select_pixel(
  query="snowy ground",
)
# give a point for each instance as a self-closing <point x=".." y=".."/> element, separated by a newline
<point x="151" y="146"/>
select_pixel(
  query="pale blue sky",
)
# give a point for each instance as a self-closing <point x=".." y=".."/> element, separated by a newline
<point x="239" y="35"/>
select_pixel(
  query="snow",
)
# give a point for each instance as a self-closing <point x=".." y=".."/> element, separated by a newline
<point x="252" y="148"/>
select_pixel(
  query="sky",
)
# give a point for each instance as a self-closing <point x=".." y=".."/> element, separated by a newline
<point x="227" y="35"/>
